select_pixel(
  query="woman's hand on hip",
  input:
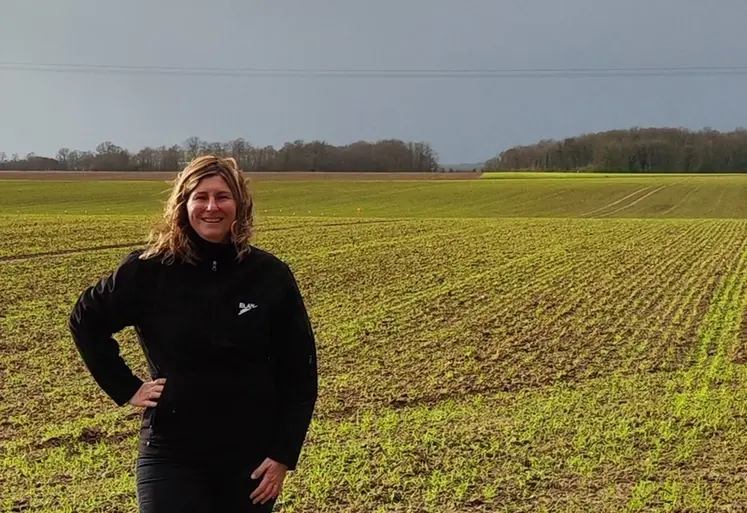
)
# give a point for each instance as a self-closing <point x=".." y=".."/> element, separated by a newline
<point x="272" y="482"/>
<point x="148" y="393"/>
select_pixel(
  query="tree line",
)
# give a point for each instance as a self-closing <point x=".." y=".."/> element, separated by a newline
<point x="636" y="150"/>
<point x="383" y="155"/>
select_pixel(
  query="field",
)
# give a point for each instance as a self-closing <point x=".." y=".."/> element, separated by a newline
<point x="503" y="344"/>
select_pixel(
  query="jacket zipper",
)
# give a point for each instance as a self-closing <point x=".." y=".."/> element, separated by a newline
<point x="153" y="414"/>
<point x="215" y="268"/>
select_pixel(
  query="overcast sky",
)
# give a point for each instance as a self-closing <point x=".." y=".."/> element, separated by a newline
<point x="464" y="119"/>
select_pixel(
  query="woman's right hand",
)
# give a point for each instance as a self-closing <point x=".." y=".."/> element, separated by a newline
<point x="148" y="393"/>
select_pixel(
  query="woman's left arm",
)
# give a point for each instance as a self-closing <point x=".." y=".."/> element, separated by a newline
<point x="297" y="378"/>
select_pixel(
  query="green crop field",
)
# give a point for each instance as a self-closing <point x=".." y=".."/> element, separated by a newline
<point x="507" y="344"/>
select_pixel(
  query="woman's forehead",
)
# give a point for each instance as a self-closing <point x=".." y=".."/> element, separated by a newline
<point x="212" y="183"/>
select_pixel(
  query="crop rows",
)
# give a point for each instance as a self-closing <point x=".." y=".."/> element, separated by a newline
<point x="547" y="306"/>
<point x="565" y="313"/>
<point x="473" y="364"/>
<point x="515" y="196"/>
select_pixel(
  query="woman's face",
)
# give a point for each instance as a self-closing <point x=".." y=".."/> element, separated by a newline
<point x="211" y="209"/>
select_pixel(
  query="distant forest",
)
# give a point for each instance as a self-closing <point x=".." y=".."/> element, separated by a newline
<point x="385" y="155"/>
<point x="637" y="150"/>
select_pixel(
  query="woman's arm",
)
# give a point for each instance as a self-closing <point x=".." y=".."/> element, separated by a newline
<point x="101" y="311"/>
<point x="297" y="378"/>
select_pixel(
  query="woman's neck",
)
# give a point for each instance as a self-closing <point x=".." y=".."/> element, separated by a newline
<point x="208" y="250"/>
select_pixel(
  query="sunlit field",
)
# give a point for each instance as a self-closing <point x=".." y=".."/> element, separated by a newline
<point x="510" y="343"/>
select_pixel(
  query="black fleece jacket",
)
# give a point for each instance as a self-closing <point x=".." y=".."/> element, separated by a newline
<point x="231" y="337"/>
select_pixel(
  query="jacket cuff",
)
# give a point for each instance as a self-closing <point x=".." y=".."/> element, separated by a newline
<point x="124" y="392"/>
<point x="287" y="458"/>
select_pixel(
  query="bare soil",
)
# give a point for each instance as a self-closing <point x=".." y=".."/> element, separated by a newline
<point x="255" y="176"/>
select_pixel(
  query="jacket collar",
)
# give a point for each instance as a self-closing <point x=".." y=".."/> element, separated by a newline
<point x="209" y="252"/>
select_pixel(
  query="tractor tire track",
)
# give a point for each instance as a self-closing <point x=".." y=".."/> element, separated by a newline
<point x="63" y="252"/>
<point x="636" y="201"/>
<point x="680" y="202"/>
<point x="616" y="202"/>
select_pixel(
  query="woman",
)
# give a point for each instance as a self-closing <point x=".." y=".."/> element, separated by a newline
<point x="229" y="346"/>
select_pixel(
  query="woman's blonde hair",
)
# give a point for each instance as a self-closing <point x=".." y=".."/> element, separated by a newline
<point x="169" y="238"/>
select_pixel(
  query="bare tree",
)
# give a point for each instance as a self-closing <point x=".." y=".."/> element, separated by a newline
<point x="192" y="147"/>
<point x="299" y="155"/>
<point x="63" y="156"/>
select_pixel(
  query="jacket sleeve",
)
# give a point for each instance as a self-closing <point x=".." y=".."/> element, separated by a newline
<point x="101" y="311"/>
<point x="297" y="378"/>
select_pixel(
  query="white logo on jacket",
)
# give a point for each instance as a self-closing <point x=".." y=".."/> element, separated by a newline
<point x="243" y="308"/>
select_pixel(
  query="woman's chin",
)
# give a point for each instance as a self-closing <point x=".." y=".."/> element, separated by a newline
<point x="214" y="235"/>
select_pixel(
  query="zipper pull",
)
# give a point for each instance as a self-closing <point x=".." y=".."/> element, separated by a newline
<point x="215" y="265"/>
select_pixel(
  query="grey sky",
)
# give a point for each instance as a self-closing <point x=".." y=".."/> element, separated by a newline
<point x="465" y="120"/>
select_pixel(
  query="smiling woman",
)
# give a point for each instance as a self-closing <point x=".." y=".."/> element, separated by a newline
<point x="212" y="209"/>
<point x="210" y="200"/>
<point x="229" y="346"/>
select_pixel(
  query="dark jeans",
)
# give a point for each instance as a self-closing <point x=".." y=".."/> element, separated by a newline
<point x="172" y="481"/>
